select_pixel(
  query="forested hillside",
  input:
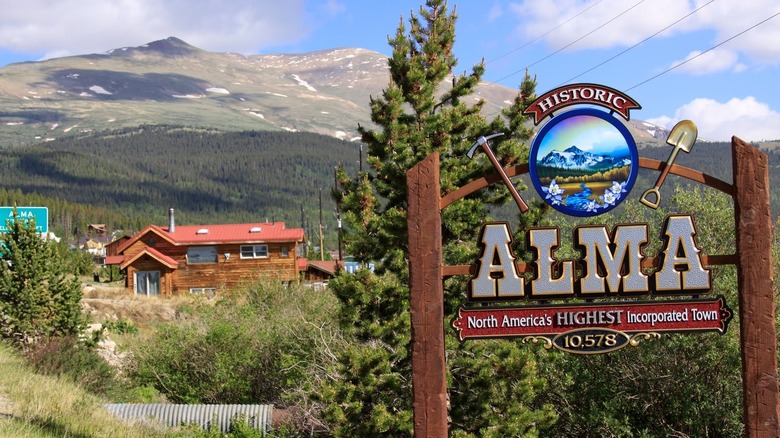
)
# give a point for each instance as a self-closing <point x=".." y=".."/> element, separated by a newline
<point x="712" y="158"/>
<point x="130" y="177"/>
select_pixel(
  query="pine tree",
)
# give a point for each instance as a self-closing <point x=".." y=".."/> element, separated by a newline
<point x="421" y="111"/>
<point x="38" y="297"/>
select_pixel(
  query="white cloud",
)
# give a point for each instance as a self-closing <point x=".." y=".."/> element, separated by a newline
<point x="730" y="17"/>
<point x="77" y="27"/>
<point x="635" y="23"/>
<point x="333" y="7"/>
<point x="746" y="118"/>
<point x="722" y="18"/>
<point x="495" y="12"/>
<point x="714" y="61"/>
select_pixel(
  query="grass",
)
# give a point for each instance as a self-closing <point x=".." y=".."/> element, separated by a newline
<point x="37" y="405"/>
<point x="43" y="406"/>
<point x="34" y="405"/>
<point x="113" y="302"/>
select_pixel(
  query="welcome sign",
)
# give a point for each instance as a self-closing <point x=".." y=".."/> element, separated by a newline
<point x="609" y="268"/>
<point x="584" y="162"/>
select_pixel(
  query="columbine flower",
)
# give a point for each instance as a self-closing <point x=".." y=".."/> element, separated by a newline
<point x="617" y="188"/>
<point x="609" y="197"/>
<point x="553" y="192"/>
<point x="592" y="206"/>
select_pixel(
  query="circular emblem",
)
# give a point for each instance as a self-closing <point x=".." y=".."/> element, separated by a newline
<point x="583" y="162"/>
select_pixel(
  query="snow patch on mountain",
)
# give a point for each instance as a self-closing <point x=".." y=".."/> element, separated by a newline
<point x="97" y="89"/>
<point x="303" y="83"/>
<point x="188" y="96"/>
<point x="575" y="158"/>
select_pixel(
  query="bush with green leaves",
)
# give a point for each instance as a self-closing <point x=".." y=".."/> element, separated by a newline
<point x="78" y="261"/>
<point x="74" y="359"/>
<point x="266" y="344"/>
<point x="39" y="295"/>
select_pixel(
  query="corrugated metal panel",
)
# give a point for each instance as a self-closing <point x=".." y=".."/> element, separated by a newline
<point x="257" y="416"/>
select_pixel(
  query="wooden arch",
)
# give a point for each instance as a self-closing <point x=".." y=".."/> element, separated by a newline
<point x="750" y="191"/>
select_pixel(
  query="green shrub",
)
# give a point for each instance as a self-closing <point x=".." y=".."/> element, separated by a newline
<point x="39" y="295"/>
<point x="120" y="327"/>
<point x="140" y="394"/>
<point x="69" y="357"/>
<point x="265" y="344"/>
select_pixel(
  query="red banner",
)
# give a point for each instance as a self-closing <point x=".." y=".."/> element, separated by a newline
<point x="581" y="94"/>
<point x="633" y="317"/>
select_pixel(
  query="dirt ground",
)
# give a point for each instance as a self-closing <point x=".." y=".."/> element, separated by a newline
<point x="112" y="302"/>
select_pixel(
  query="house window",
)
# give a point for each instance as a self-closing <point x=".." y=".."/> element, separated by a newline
<point x="254" y="251"/>
<point x="147" y="283"/>
<point x="207" y="291"/>
<point x="285" y="252"/>
<point x="201" y="254"/>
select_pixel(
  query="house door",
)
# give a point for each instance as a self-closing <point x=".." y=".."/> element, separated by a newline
<point x="147" y="283"/>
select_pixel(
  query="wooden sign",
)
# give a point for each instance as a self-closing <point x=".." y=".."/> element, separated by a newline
<point x="613" y="265"/>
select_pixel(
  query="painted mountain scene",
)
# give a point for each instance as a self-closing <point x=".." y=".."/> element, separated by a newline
<point x="583" y="164"/>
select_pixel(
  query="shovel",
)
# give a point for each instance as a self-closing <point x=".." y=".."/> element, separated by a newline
<point x="682" y="137"/>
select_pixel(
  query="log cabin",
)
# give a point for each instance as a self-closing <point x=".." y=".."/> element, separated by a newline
<point x="193" y="259"/>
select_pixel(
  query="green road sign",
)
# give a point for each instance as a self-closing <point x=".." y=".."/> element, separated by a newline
<point x="40" y="214"/>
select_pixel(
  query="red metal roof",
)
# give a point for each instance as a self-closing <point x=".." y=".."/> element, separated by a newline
<point x="157" y="255"/>
<point x="328" y="266"/>
<point x="149" y="229"/>
<point x="234" y="233"/>
<point x="115" y="260"/>
<point x="221" y="233"/>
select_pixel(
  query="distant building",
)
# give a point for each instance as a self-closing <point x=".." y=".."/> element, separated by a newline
<point x="181" y="259"/>
<point x="97" y="230"/>
<point x="319" y="272"/>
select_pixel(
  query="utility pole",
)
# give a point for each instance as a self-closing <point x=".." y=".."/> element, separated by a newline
<point x="338" y="213"/>
<point x="322" y="248"/>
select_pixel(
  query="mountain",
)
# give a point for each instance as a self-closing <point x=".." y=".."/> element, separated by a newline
<point x="575" y="158"/>
<point x="170" y="82"/>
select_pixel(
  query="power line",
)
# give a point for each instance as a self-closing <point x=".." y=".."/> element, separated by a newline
<point x="573" y="42"/>
<point x="702" y="53"/>
<point x="546" y="33"/>
<point x="635" y="45"/>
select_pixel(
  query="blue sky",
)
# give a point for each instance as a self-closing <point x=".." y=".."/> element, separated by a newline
<point x="729" y="86"/>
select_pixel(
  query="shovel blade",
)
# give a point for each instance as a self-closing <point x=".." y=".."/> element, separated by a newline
<point x="683" y="135"/>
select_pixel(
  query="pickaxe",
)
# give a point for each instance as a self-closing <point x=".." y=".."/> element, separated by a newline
<point x="483" y="141"/>
<point x="682" y="137"/>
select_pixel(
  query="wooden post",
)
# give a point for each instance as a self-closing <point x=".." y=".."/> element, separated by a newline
<point x="427" y="299"/>
<point x="756" y="290"/>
